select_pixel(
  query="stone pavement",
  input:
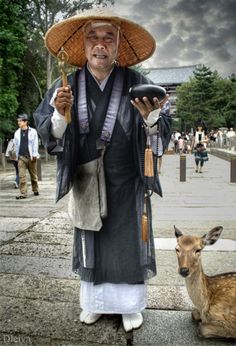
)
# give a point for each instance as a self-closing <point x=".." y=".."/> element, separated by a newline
<point x="39" y="295"/>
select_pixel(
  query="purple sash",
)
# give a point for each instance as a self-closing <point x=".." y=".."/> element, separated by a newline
<point x="112" y="110"/>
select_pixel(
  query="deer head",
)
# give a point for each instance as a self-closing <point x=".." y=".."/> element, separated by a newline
<point x="188" y="249"/>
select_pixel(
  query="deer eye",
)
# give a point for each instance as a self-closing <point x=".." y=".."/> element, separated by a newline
<point x="198" y="251"/>
<point x="177" y="250"/>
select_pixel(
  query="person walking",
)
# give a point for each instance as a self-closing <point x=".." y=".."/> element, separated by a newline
<point x="176" y="136"/>
<point x="26" y="146"/>
<point x="199" y="144"/>
<point x="101" y="158"/>
<point x="231" y="138"/>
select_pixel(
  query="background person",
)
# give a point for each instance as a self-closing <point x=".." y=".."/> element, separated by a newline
<point x="176" y="136"/>
<point x="199" y="144"/>
<point x="26" y="146"/>
<point x="106" y="134"/>
<point x="199" y="135"/>
<point x="231" y="138"/>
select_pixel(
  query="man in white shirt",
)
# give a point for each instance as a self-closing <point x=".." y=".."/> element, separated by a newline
<point x="26" y="146"/>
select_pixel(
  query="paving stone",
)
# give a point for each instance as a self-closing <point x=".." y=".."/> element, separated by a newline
<point x="56" y="320"/>
<point x="168" y="328"/>
<point x="55" y="267"/>
<point x="36" y="250"/>
<point x="39" y="294"/>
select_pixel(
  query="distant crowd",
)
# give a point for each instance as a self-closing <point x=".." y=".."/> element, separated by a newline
<point x="183" y="143"/>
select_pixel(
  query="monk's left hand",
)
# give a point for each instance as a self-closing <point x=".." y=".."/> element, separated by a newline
<point x="145" y="107"/>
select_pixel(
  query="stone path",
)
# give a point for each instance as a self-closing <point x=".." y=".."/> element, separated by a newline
<point x="39" y="295"/>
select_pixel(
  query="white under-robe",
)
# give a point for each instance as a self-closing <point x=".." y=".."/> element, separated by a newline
<point x="107" y="298"/>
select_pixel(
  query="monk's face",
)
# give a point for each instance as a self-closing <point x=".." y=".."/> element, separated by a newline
<point x="101" y="46"/>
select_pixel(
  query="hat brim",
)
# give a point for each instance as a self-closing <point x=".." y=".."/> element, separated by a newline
<point x="136" y="43"/>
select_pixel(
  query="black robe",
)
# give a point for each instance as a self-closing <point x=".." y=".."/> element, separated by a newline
<point x="117" y="253"/>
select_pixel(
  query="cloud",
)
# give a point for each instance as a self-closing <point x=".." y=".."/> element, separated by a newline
<point x="193" y="56"/>
<point x="163" y="30"/>
<point x="187" y="31"/>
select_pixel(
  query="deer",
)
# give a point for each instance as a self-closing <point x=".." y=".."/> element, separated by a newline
<point x="214" y="297"/>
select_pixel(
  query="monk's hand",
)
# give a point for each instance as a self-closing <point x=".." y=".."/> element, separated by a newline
<point x="64" y="99"/>
<point x="145" y="107"/>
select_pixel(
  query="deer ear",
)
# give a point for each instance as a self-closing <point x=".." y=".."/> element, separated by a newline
<point x="212" y="236"/>
<point x="178" y="233"/>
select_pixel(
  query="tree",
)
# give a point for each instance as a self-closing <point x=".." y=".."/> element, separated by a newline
<point x="12" y="48"/>
<point x="208" y="97"/>
<point x="229" y="108"/>
<point x="26" y="68"/>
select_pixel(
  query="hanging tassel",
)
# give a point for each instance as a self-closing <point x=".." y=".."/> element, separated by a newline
<point x="148" y="163"/>
<point x="145" y="227"/>
<point x="145" y="221"/>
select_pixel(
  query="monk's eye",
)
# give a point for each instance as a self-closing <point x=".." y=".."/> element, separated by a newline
<point x="92" y="38"/>
<point x="108" y="39"/>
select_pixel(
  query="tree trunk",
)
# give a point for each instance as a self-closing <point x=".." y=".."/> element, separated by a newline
<point x="49" y="70"/>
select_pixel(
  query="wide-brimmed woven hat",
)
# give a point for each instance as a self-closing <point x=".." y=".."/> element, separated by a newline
<point x="136" y="43"/>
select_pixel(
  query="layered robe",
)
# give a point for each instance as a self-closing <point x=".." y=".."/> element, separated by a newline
<point x="116" y="256"/>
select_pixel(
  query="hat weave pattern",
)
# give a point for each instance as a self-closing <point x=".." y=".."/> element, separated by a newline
<point x="136" y="44"/>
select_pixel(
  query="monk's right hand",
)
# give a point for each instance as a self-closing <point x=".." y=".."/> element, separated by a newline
<point x="64" y="99"/>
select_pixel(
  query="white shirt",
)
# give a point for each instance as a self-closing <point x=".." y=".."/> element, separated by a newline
<point x="33" y="142"/>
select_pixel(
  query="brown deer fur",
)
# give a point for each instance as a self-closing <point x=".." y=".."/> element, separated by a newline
<point x="213" y="296"/>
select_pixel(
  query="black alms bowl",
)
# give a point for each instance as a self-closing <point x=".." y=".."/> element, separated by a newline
<point x="148" y="90"/>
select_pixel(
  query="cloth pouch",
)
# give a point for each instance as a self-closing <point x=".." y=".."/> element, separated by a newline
<point x="88" y="200"/>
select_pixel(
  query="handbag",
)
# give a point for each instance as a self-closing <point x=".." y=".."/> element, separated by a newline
<point x="205" y="156"/>
<point x="11" y="151"/>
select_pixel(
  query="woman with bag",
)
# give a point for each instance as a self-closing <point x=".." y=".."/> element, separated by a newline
<point x="199" y="142"/>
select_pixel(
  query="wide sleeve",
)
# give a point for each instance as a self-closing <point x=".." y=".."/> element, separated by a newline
<point x="43" y="115"/>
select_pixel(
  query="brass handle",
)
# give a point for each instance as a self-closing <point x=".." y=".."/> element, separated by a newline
<point x="63" y="57"/>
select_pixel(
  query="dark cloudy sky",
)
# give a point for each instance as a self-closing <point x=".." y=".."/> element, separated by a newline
<point x="187" y="32"/>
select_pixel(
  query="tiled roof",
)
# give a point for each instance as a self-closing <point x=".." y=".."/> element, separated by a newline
<point x="171" y="75"/>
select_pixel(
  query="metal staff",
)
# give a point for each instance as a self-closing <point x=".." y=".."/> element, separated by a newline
<point x="63" y="57"/>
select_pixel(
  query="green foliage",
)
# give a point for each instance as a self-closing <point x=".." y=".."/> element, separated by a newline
<point x="229" y="108"/>
<point x="25" y="65"/>
<point x="208" y="97"/>
<point x="12" y="48"/>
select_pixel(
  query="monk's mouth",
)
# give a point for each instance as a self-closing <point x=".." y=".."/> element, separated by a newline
<point x="100" y="56"/>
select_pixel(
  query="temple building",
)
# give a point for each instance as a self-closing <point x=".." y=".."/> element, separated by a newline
<point x="170" y="78"/>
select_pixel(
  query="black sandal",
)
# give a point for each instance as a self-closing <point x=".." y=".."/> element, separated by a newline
<point x="20" y="197"/>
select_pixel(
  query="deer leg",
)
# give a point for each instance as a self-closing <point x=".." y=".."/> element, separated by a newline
<point x="212" y="330"/>
<point x="196" y="315"/>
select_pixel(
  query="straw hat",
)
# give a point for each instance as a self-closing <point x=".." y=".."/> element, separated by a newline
<point x="136" y="44"/>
